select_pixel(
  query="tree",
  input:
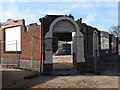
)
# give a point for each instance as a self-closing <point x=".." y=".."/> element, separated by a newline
<point x="115" y="30"/>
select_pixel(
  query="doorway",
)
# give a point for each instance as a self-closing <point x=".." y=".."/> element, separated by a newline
<point x="63" y="26"/>
<point x="62" y="51"/>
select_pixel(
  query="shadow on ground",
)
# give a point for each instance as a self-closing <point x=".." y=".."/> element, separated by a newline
<point x="22" y="79"/>
<point x="109" y="67"/>
<point x="16" y="78"/>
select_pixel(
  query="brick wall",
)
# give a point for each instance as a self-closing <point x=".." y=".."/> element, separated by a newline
<point x="26" y="40"/>
<point x="29" y="46"/>
<point x="9" y="24"/>
<point x="84" y="28"/>
<point x="45" y="24"/>
<point x="88" y="38"/>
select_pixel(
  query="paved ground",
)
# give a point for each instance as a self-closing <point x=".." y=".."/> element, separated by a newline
<point x="14" y="78"/>
<point x="64" y="62"/>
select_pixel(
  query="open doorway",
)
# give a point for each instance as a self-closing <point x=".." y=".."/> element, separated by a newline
<point x="64" y="25"/>
<point x="62" y="51"/>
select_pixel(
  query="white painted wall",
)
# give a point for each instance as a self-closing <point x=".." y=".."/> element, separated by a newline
<point x="104" y="40"/>
<point x="13" y="39"/>
<point x="64" y="26"/>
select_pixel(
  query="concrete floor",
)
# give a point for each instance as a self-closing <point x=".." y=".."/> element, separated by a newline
<point x="63" y="62"/>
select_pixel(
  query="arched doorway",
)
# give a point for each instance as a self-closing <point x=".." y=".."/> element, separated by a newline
<point x="95" y="47"/>
<point x="63" y="25"/>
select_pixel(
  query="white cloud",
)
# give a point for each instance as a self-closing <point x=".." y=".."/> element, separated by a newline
<point x="13" y="12"/>
<point x="62" y="10"/>
<point x="90" y="18"/>
<point x="10" y="12"/>
<point x="53" y="12"/>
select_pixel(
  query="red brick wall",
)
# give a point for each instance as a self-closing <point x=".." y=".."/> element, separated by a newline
<point x="45" y="24"/>
<point x="8" y="24"/>
<point x="26" y="41"/>
<point x="88" y="38"/>
<point x="29" y="46"/>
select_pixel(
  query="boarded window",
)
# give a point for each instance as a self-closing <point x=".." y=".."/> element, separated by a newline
<point x="104" y="40"/>
<point x="13" y="39"/>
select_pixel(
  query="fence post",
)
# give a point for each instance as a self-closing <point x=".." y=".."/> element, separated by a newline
<point x="32" y="50"/>
<point x="0" y="65"/>
<point x="16" y="43"/>
<point x="16" y="47"/>
<point x="0" y="51"/>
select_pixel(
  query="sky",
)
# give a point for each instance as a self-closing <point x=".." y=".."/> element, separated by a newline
<point x="101" y="14"/>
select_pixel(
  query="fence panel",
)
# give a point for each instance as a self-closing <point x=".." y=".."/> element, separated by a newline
<point x="35" y="53"/>
<point x="8" y="53"/>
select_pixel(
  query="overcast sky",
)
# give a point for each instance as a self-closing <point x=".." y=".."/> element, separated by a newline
<point x="101" y="14"/>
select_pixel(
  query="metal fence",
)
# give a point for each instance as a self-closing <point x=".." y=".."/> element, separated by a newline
<point x="28" y="57"/>
<point x="35" y="53"/>
<point x="0" y="50"/>
<point x="119" y="48"/>
<point x="8" y="53"/>
<point x="11" y="55"/>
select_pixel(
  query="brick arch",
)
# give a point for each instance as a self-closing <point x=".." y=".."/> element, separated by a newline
<point x="49" y="34"/>
<point x="78" y="39"/>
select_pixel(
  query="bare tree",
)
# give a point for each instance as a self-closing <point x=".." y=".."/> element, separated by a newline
<point x="115" y="30"/>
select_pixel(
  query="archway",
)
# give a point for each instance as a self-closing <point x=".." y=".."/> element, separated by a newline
<point x="63" y="24"/>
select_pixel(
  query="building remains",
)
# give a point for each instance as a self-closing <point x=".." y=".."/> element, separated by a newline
<point x="32" y="46"/>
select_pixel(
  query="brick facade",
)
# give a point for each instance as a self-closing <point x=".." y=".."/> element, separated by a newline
<point x="9" y="24"/>
<point x="33" y="46"/>
<point x="29" y="45"/>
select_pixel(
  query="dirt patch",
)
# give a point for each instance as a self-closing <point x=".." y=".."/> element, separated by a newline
<point x="14" y="78"/>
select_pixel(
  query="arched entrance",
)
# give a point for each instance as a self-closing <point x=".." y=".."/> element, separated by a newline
<point x="95" y="47"/>
<point x="63" y="24"/>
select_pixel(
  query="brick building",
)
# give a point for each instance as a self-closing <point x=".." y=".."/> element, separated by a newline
<point x="89" y="37"/>
<point x="36" y="43"/>
<point x="108" y="45"/>
<point x="27" y="46"/>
